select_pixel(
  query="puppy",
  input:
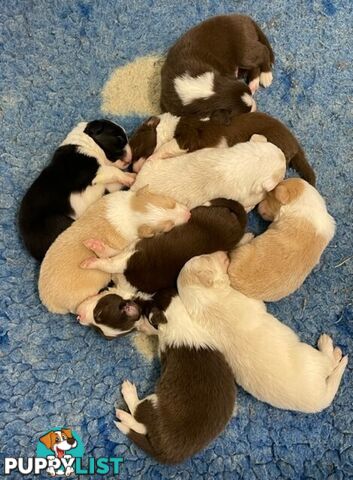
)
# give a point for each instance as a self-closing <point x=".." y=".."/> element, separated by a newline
<point x="200" y="74"/>
<point x="86" y="164"/>
<point x="154" y="263"/>
<point x="120" y="218"/>
<point x="194" y="398"/>
<point x="167" y="136"/>
<point x="244" y="172"/>
<point x="267" y="357"/>
<point x="276" y="263"/>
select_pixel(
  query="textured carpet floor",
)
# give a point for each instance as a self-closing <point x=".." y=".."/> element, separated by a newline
<point x="55" y="58"/>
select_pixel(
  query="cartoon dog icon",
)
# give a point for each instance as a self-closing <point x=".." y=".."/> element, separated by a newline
<point x="59" y="441"/>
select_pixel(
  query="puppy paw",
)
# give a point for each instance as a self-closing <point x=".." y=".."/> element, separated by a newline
<point x="128" y="179"/>
<point x="266" y="79"/>
<point x="89" y="262"/>
<point x="325" y="344"/>
<point x="97" y="246"/>
<point x="129" y="392"/>
<point x="337" y="355"/>
<point x="254" y="85"/>
<point x="246" y="238"/>
<point x="122" y="427"/>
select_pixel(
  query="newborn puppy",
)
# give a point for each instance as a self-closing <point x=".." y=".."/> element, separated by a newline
<point x="194" y="397"/>
<point x="276" y="263"/>
<point x="167" y="136"/>
<point x="267" y="358"/>
<point x="154" y="263"/>
<point x="86" y="164"/>
<point x="120" y="218"/>
<point x="244" y="172"/>
<point x="199" y="76"/>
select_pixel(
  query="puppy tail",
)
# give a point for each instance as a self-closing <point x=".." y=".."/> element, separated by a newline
<point x="234" y="206"/>
<point x="301" y="165"/>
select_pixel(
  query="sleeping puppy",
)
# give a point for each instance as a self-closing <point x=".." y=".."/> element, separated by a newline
<point x="154" y="263"/>
<point x="86" y="164"/>
<point x="194" y="397"/>
<point x="290" y="248"/>
<point x="244" y="172"/>
<point x="200" y="74"/>
<point x="120" y="218"/>
<point x="168" y="136"/>
<point x="267" y="358"/>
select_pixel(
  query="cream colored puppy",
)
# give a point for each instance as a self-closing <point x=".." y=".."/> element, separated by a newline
<point x="117" y="219"/>
<point x="267" y="358"/>
<point x="244" y="172"/>
<point x="276" y="263"/>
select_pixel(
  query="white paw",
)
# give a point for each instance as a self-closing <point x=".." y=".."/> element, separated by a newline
<point x="254" y="84"/>
<point x="122" y="427"/>
<point x="128" y="179"/>
<point x="266" y="79"/>
<point x="129" y="392"/>
<point x="325" y="344"/>
<point x="246" y="238"/>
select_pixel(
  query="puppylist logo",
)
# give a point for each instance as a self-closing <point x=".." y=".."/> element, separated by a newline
<point x="60" y="453"/>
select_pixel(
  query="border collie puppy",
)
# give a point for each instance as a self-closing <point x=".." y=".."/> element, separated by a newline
<point x="87" y="163"/>
<point x="267" y="358"/>
<point x="166" y="136"/>
<point x="290" y="248"/>
<point x="194" y="397"/>
<point x="244" y="172"/>
<point x="200" y="74"/>
<point x="153" y="264"/>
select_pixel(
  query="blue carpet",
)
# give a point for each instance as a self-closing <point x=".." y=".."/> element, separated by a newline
<point x="55" y="58"/>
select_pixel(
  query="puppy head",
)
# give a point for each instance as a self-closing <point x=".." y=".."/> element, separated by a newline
<point x="144" y="139"/>
<point x="109" y="314"/>
<point x="205" y="272"/>
<point x="285" y="193"/>
<point x="112" y="139"/>
<point x="59" y="441"/>
<point x="158" y="213"/>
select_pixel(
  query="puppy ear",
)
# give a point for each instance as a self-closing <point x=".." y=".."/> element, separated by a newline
<point x="157" y="317"/>
<point x="282" y="194"/>
<point x="145" y="231"/>
<point x="142" y="190"/>
<point x="48" y="440"/>
<point x="205" y="277"/>
<point x="269" y="184"/>
<point x="67" y="432"/>
<point x="258" y="138"/>
<point x="153" y="121"/>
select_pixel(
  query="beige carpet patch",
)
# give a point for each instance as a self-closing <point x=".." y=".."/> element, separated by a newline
<point x="135" y="88"/>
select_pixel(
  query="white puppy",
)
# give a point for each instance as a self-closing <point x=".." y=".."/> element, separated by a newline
<point x="244" y="172"/>
<point x="267" y="357"/>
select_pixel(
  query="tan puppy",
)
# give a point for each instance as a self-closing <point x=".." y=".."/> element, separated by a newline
<point x="118" y="219"/>
<point x="276" y="263"/>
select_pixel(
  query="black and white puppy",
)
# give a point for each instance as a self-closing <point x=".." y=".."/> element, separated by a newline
<point x="87" y="163"/>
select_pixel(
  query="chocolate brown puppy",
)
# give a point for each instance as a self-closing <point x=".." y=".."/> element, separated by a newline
<point x="200" y="74"/>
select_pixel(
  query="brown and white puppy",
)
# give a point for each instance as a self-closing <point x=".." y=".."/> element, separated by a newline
<point x="120" y="218"/>
<point x="276" y="263"/>
<point x="153" y="264"/>
<point x="194" y="397"/>
<point x="200" y="74"/>
<point x="267" y="358"/>
<point x="166" y="136"/>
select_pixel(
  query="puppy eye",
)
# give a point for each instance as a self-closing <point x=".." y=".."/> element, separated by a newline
<point x="57" y="439"/>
